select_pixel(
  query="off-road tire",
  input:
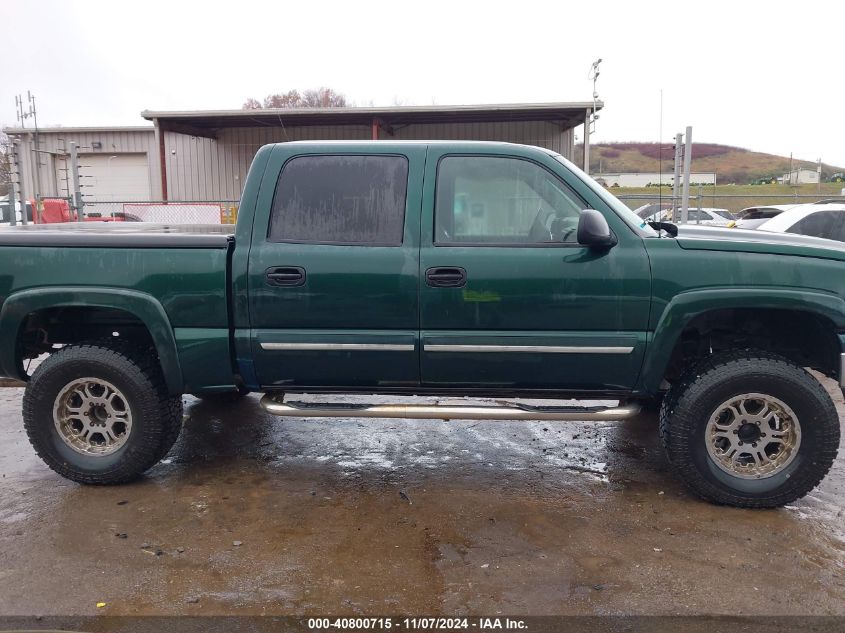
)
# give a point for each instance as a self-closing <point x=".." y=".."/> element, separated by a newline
<point x="156" y="415"/>
<point x="172" y="415"/>
<point x="691" y="401"/>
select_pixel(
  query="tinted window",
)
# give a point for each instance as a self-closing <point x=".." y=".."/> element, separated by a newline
<point x="824" y="224"/>
<point x="488" y="199"/>
<point x="341" y="200"/>
<point x="759" y="214"/>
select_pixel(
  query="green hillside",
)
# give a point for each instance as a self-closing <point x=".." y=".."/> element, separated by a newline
<point x="731" y="164"/>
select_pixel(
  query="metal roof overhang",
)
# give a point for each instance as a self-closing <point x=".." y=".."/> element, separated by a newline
<point x="208" y="123"/>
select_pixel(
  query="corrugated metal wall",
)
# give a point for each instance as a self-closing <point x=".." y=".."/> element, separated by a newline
<point x="54" y="142"/>
<point x="200" y="169"/>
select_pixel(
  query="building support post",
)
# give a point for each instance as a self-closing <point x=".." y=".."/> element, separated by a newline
<point x="77" y="190"/>
<point x="16" y="167"/>
<point x="162" y="159"/>
<point x="687" y="164"/>
<point x="375" y="130"/>
<point x="587" y="141"/>
<point x="21" y="185"/>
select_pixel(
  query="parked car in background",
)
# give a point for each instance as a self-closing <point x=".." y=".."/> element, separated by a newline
<point x="711" y="216"/>
<point x="753" y="217"/>
<point x="653" y="210"/>
<point x="5" y="214"/>
<point x="824" y="220"/>
<point x="706" y="216"/>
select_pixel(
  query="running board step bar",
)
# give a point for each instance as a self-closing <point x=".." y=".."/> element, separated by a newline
<point x="508" y="411"/>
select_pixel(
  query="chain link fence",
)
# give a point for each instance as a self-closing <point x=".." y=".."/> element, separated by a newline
<point x="57" y="210"/>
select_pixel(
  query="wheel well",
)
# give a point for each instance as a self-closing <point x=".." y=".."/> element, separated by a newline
<point x="803" y="337"/>
<point x="43" y="330"/>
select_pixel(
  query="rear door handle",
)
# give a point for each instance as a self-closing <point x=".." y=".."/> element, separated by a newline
<point x="285" y="276"/>
<point x="446" y="277"/>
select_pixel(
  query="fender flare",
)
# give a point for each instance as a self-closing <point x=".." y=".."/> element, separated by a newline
<point x="684" y="307"/>
<point x="141" y="305"/>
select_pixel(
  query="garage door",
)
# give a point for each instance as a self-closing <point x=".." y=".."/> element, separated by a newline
<point x="120" y="177"/>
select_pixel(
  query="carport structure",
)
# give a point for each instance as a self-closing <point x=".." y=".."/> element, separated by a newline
<point x="205" y="155"/>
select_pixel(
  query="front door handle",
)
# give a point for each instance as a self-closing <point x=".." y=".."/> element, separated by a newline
<point x="446" y="277"/>
<point x="285" y="276"/>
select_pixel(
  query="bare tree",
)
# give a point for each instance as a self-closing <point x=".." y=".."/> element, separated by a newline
<point x="323" y="98"/>
<point x="312" y="98"/>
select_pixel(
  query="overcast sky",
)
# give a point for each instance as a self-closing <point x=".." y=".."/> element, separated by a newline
<point x="766" y="76"/>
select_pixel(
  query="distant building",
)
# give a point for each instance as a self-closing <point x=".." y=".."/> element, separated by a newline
<point x="800" y="176"/>
<point x="653" y="179"/>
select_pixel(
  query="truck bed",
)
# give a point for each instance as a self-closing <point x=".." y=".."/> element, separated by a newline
<point x="119" y="235"/>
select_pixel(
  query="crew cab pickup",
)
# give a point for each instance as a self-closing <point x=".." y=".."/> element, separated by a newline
<point x="440" y="268"/>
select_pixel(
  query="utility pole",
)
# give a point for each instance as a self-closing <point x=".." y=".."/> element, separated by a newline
<point x="77" y="191"/>
<point x="25" y="110"/>
<point x="676" y="183"/>
<point x="687" y="163"/>
<point x="586" y="166"/>
<point x="591" y="116"/>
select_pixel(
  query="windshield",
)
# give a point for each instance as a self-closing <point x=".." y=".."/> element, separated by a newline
<point x="629" y="217"/>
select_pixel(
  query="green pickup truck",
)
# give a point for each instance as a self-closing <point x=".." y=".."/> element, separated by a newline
<point x="462" y="269"/>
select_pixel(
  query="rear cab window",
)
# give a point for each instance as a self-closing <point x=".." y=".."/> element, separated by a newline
<point x="340" y="199"/>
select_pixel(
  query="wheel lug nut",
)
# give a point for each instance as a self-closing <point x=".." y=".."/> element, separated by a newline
<point x="754" y="444"/>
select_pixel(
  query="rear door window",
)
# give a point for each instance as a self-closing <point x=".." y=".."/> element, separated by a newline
<point x="827" y="224"/>
<point x="358" y="200"/>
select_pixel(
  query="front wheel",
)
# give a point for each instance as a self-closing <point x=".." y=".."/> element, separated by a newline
<point x="99" y="415"/>
<point x="749" y="429"/>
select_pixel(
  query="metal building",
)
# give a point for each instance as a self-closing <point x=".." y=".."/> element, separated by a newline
<point x="205" y="155"/>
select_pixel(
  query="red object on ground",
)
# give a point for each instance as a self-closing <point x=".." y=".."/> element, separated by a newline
<point x="58" y="211"/>
<point x="55" y="211"/>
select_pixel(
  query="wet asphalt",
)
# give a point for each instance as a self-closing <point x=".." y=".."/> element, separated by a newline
<point x="251" y="514"/>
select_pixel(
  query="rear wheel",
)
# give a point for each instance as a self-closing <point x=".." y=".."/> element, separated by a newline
<point x="98" y="415"/>
<point x="749" y="429"/>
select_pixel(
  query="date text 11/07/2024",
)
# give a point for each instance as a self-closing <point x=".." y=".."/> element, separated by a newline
<point x="417" y="624"/>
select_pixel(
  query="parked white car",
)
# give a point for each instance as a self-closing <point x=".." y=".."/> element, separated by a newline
<point x="753" y="217"/>
<point x="818" y="220"/>
<point x="706" y="216"/>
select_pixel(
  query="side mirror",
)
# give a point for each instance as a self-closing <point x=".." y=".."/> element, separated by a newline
<point x="593" y="230"/>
